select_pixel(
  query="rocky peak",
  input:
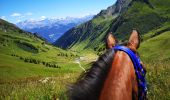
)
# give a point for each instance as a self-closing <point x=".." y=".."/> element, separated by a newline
<point x="115" y="9"/>
<point x="121" y="5"/>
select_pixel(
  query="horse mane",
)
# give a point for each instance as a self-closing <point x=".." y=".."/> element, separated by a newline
<point x="89" y="84"/>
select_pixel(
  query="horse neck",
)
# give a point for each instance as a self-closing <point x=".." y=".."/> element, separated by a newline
<point x="118" y="84"/>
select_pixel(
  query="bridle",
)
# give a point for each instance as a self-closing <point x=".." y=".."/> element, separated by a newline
<point x="139" y="70"/>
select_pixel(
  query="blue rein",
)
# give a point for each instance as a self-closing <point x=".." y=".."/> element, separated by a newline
<point x="140" y="72"/>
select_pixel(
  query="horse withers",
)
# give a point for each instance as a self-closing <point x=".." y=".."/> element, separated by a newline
<point x="113" y="76"/>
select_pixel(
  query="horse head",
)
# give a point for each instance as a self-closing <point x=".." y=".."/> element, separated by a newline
<point x="112" y="76"/>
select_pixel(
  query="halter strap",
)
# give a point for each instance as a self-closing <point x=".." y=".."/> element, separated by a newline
<point x="140" y="72"/>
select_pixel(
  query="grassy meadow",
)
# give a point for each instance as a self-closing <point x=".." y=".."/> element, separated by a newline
<point x="155" y="53"/>
<point x="33" y="70"/>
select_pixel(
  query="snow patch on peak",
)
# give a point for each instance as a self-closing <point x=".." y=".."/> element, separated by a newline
<point x="52" y="28"/>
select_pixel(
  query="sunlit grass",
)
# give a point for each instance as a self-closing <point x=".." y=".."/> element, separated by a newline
<point x="155" y="53"/>
<point x="158" y="80"/>
<point x="46" y="88"/>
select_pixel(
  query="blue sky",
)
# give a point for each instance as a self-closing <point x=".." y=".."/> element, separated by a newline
<point x="19" y="10"/>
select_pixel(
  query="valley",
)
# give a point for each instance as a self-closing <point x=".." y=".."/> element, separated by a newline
<point x="25" y="60"/>
<point x="31" y="68"/>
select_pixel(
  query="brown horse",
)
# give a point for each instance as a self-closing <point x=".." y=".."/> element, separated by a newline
<point x="111" y="77"/>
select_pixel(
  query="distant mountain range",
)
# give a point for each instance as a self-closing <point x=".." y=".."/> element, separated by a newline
<point x="52" y="29"/>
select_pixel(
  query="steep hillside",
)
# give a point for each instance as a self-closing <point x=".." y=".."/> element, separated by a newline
<point x="92" y="32"/>
<point x="155" y="53"/>
<point x="120" y="19"/>
<point x="143" y="15"/>
<point x="23" y="51"/>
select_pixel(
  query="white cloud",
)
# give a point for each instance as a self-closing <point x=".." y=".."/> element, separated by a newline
<point x="18" y="21"/>
<point x="21" y="15"/>
<point x="32" y="19"/>
<point x="3" y="17"/>
<point x="42" y="17"/>
<point x="29" y="14"/>
<point x="85" y="15"/>
<point x="16" y="14"/>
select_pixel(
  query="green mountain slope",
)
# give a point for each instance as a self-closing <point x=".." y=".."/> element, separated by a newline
<point x="91" y="33"/>
<point x="155" y="53"/>
<point x="25" y="55"/>
<point x="31" y="69"/>
<point x="144" y="15"/>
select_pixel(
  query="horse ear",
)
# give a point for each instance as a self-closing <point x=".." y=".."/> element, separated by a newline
<point x="111" y="41"/>
<point x="134" y="40"/>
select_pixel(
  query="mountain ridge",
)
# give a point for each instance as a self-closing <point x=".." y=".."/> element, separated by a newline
<point x="98" y="25"/>
<point x="144" y="15"/>
<point x="52" y="29"/>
